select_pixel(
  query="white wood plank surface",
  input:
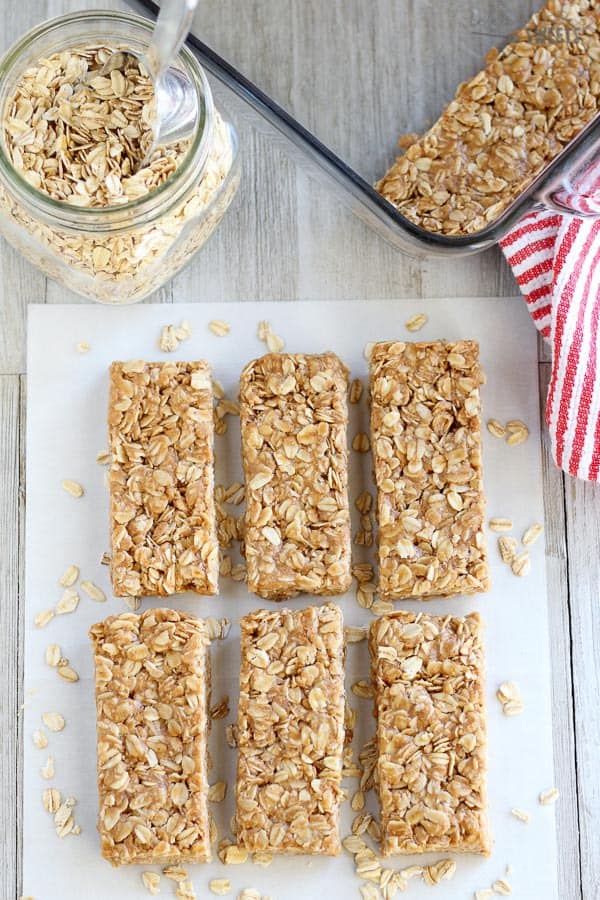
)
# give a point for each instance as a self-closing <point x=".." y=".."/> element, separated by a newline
<point x="358" y="73"/>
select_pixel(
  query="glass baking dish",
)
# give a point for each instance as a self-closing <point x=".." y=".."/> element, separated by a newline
<point x="558" y="187"/>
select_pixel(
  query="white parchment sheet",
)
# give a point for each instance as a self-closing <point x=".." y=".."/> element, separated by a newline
<point x="66" y="429"/>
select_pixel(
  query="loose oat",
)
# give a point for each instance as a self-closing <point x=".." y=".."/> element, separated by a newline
<point x="217" y="791"/>
<point x="70" y="577"/>
<point x="152" y="683"/>
<point x="67" y="673"/>
<point x="171" y="336"/>
<point x="361" y="442"/>
<point x="262" y="858"/>
<point x="73" y="488"/>
<point x="39" y="740"/>
<point x="508" y="549"/>
<point x="547" y="798"/>
<point x="52" y="655"/>
<point x="356" y="391"/>
<point x="484" y="894"/>
<point x="521" y="564"/>
<point x="354" y="634"/>
<point x="219" y="327"/>
<point x="175" y="873"/>
<point x="504" y="125"/>
<point x="425" y="427"/>
<point x="500" y="525"/>
<point x="93" y="591"/>
<point x="151" y="881"/>
<point x="234" y="855"/>
<point x="185" y="891"/>
<point x="517" y="433"/>
<point x="220" y="886"/>
<point x="531" y="535"/>
<point x="47" y="770"/>
<point x="68" y="603"/>
<point x="42" y="618"/>
<point x="521" y="815"/>
<point x="103" y="458"/>
<point x="416" y="322"/>
<point x="54" y="721"/>
<point x="362" y="689"/>
<point x="434" y="717"/>
<point x="444" y="869"/>
<point x="133" y="603"/>
<point x="221" y="709"/>
<point x="496" y="428"/>
<point x="51" y="800"/>
<point x="83" y="347"/>
<point x="500" y="886"/>
<point x="231" y="736"/>
<point x="297" y="514"/>
<point x="163" y="530"/>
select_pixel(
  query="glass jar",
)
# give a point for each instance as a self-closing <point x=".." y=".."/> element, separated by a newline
<point x="118" y="254"/>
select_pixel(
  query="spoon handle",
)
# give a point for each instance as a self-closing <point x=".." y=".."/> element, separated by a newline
<point x="172" y="26"/>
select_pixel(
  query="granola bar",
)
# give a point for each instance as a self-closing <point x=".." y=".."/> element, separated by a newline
<point x="505" y="125"/>
<point x="162" y="511"/>
<point x="152" y="698"/>
<point x="293" y="416"/>
<point x="428" y="678"/>
<point x="291" y="730"/>
<point x="426" y="437"/>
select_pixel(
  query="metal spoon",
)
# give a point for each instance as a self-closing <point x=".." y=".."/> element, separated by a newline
<point x="176" y="101"/>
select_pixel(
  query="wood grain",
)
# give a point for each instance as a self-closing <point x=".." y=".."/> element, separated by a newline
<point x="359" y="74"/>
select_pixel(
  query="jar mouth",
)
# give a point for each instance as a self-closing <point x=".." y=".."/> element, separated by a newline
<point x="91" y="27"/>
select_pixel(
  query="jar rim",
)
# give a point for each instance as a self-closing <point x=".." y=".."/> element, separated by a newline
<point x="170" y="190"/>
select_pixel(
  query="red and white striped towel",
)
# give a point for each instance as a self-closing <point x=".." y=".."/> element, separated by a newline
<point x="556" y="261"/>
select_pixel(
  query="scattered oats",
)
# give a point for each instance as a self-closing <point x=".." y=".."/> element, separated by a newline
<point x="521" y="564"/>
<point x="151" y="881"/>
<point x="416" y="322"/>
<point x="368" y="350"/>
<point x="40" y="740"/>
<point x="354" y="634"/>
<point x="508" y="548"/>
<point x="70" y="576"/>
<point x="53" y="654"/>
<point x="262" y="858"/>
<point x="68" y="602"/>
<point x="104" y="458"/>
<point x="72" y="487"/>
<point x="218" y="629"/>
<point x="217" y="791"/>
<point x="249" y="894"/>
<point x="234" y="855"/>
<point x="517" y="433"/>
<point x="531" y="535"/>
<point x="411" y="872"/>
<point x="184" y="331"/>
<point x="52" y="800"/>
<point x="547" y="798"/>
<point x="238" y="573"/>
<point x="363" y="503"/>
<point x="133" y="603"/>
<point x="361" y="823"/>
<point x="275" y="343"/>
<point x="500" y="524"/>
<point x="485" y="894"/>
<point x="365" y="597"/>
<point x="382" y="607"/>
<point x="374" y="831"/>
<point x="54" y="721"/>
<point x="221" y="709"/>
<point x="508" y="690"/>
<point x="362" y="689"/>
<point x="496" y="428"/>
<point x="231" y="736"/>
<point x="218" y="389"/>
<point x="175" y="873"/>
<point x="521" y="815"/>
<point x="93" y="591"/>
<point x="47" y="770"/>
<point x="356" y="391"/>
<point x="434" y="873"/>
<point x="185" y="891"/>
<point x="502" y="887"/>
<point x="220" y="886"/>
<point x="42" y="618"/>
<point x="219" y="327"/>
<point x="361" y="442"/>
<point x="67" y="673"/>
<point x="76" y="829"/>
<point x="83" y="347"/>
<point x="353" y="844"/>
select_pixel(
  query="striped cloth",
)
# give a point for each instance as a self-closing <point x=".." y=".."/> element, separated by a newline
<point x="556" y="261"/>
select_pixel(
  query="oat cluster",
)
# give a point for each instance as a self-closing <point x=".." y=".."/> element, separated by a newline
<point x="294" y="416"/>
<point x="290" y="734"/>
<point x="505" y="125"/>
<point x="428" y="676"/>
<point x="152" y="687"/>
<point x="426" y="435"/>
<point x="163" y="524"/>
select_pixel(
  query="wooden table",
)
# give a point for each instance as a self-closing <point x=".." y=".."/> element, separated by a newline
<point x="349" y="70"/>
